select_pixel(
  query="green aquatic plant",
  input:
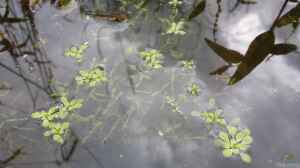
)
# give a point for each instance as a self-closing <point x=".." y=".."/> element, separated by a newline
<point x="235" y="142"/>
<point x="175" y="3"/>
<point x="54" y="118"/>
<point x="77" y="52"/>
<point x="194" y="89"/>
<point x="57" y="131"/>
<point x="214" y="117"/>
<point x="153" y="58"/>
<point x="91" y="77"/>
<point x="176" y="28"/>
<point x="187" y="64"/>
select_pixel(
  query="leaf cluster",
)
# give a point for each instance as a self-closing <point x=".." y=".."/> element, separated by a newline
<point x="54" y="119"/>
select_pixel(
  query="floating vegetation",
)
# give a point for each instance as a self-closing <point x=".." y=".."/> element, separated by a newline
<point x="54" y="120"/>
<point x="176" y="28"/>
<point x="187" y="64"/>
<point x="152" y="58"/>
<point x="235" y="142"/>
<point x="212" y="118"/>
<point x="91" y="77"/>
<point x="116" y="112"/>
<point x="193" y="89"/>
<point x="77" y="52"/>
<point x="175" y="3"/>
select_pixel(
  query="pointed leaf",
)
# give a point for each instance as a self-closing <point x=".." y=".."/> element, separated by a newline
<point x="198" y="10"/>
<point x="258" y="50"/>
<point x="227" y="55"/>
<point x="283" y="49"/>
<point x="220" y="70"/>
<point x="291" y="16"/>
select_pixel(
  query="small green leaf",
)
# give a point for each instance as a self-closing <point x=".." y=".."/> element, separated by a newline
<point x="227" y="153"/>
<point x="232" y="130"/>
<point x="45" y="123"/>
<point x="246" y="158"/>
<point x="240" y="136"/>
<point x="47" y="133"/>
<point x="247" y="140"/>
<point x="58" y="139"/>
<point x="224" y="136"/>
<point x="65" y="101"/>
<point x="36" y="115"/>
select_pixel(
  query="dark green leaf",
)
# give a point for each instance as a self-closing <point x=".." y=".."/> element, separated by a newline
<point x="228" y="55"/>
<point x="220" y="70"/>
<point x="258" y="50"/>
<point x="283" y="49"/>
<point x="291" y="16"/>
<point x="198" y="10"/>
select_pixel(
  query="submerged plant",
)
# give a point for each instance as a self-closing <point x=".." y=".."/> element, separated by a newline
<point x="54" y="118"/>
<point x="175" y="3"/>
<point x="91" y="77"/>
<point x="194" y="89"/>
<point x="77" y="52"/>
<point x="187" y="64"/>
<point x="214" y="117"/>
<point x="235" y="142"/>
<point x="153" y="58"/>
<point x="173" y="104"/>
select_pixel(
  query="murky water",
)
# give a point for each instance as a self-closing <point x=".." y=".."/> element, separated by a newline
<point x="126" y="121"/>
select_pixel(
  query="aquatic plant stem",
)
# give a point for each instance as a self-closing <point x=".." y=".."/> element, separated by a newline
<point x="279" y="14"/>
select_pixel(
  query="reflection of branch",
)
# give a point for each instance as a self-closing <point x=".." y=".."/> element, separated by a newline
<point x="11" y="157"/>
<point x="26" y="79"/>
<point x="72" y="150"/>
<point x="94" y="157"/>
<point x="12" y="20"/>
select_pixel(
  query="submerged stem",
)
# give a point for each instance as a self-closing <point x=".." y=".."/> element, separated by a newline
<point x="279" y="14"/>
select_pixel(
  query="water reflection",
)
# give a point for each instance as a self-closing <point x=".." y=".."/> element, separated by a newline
<point x="126" y="122"/>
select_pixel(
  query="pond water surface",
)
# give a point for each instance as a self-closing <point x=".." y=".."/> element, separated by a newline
<point x="126" y="122"/>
